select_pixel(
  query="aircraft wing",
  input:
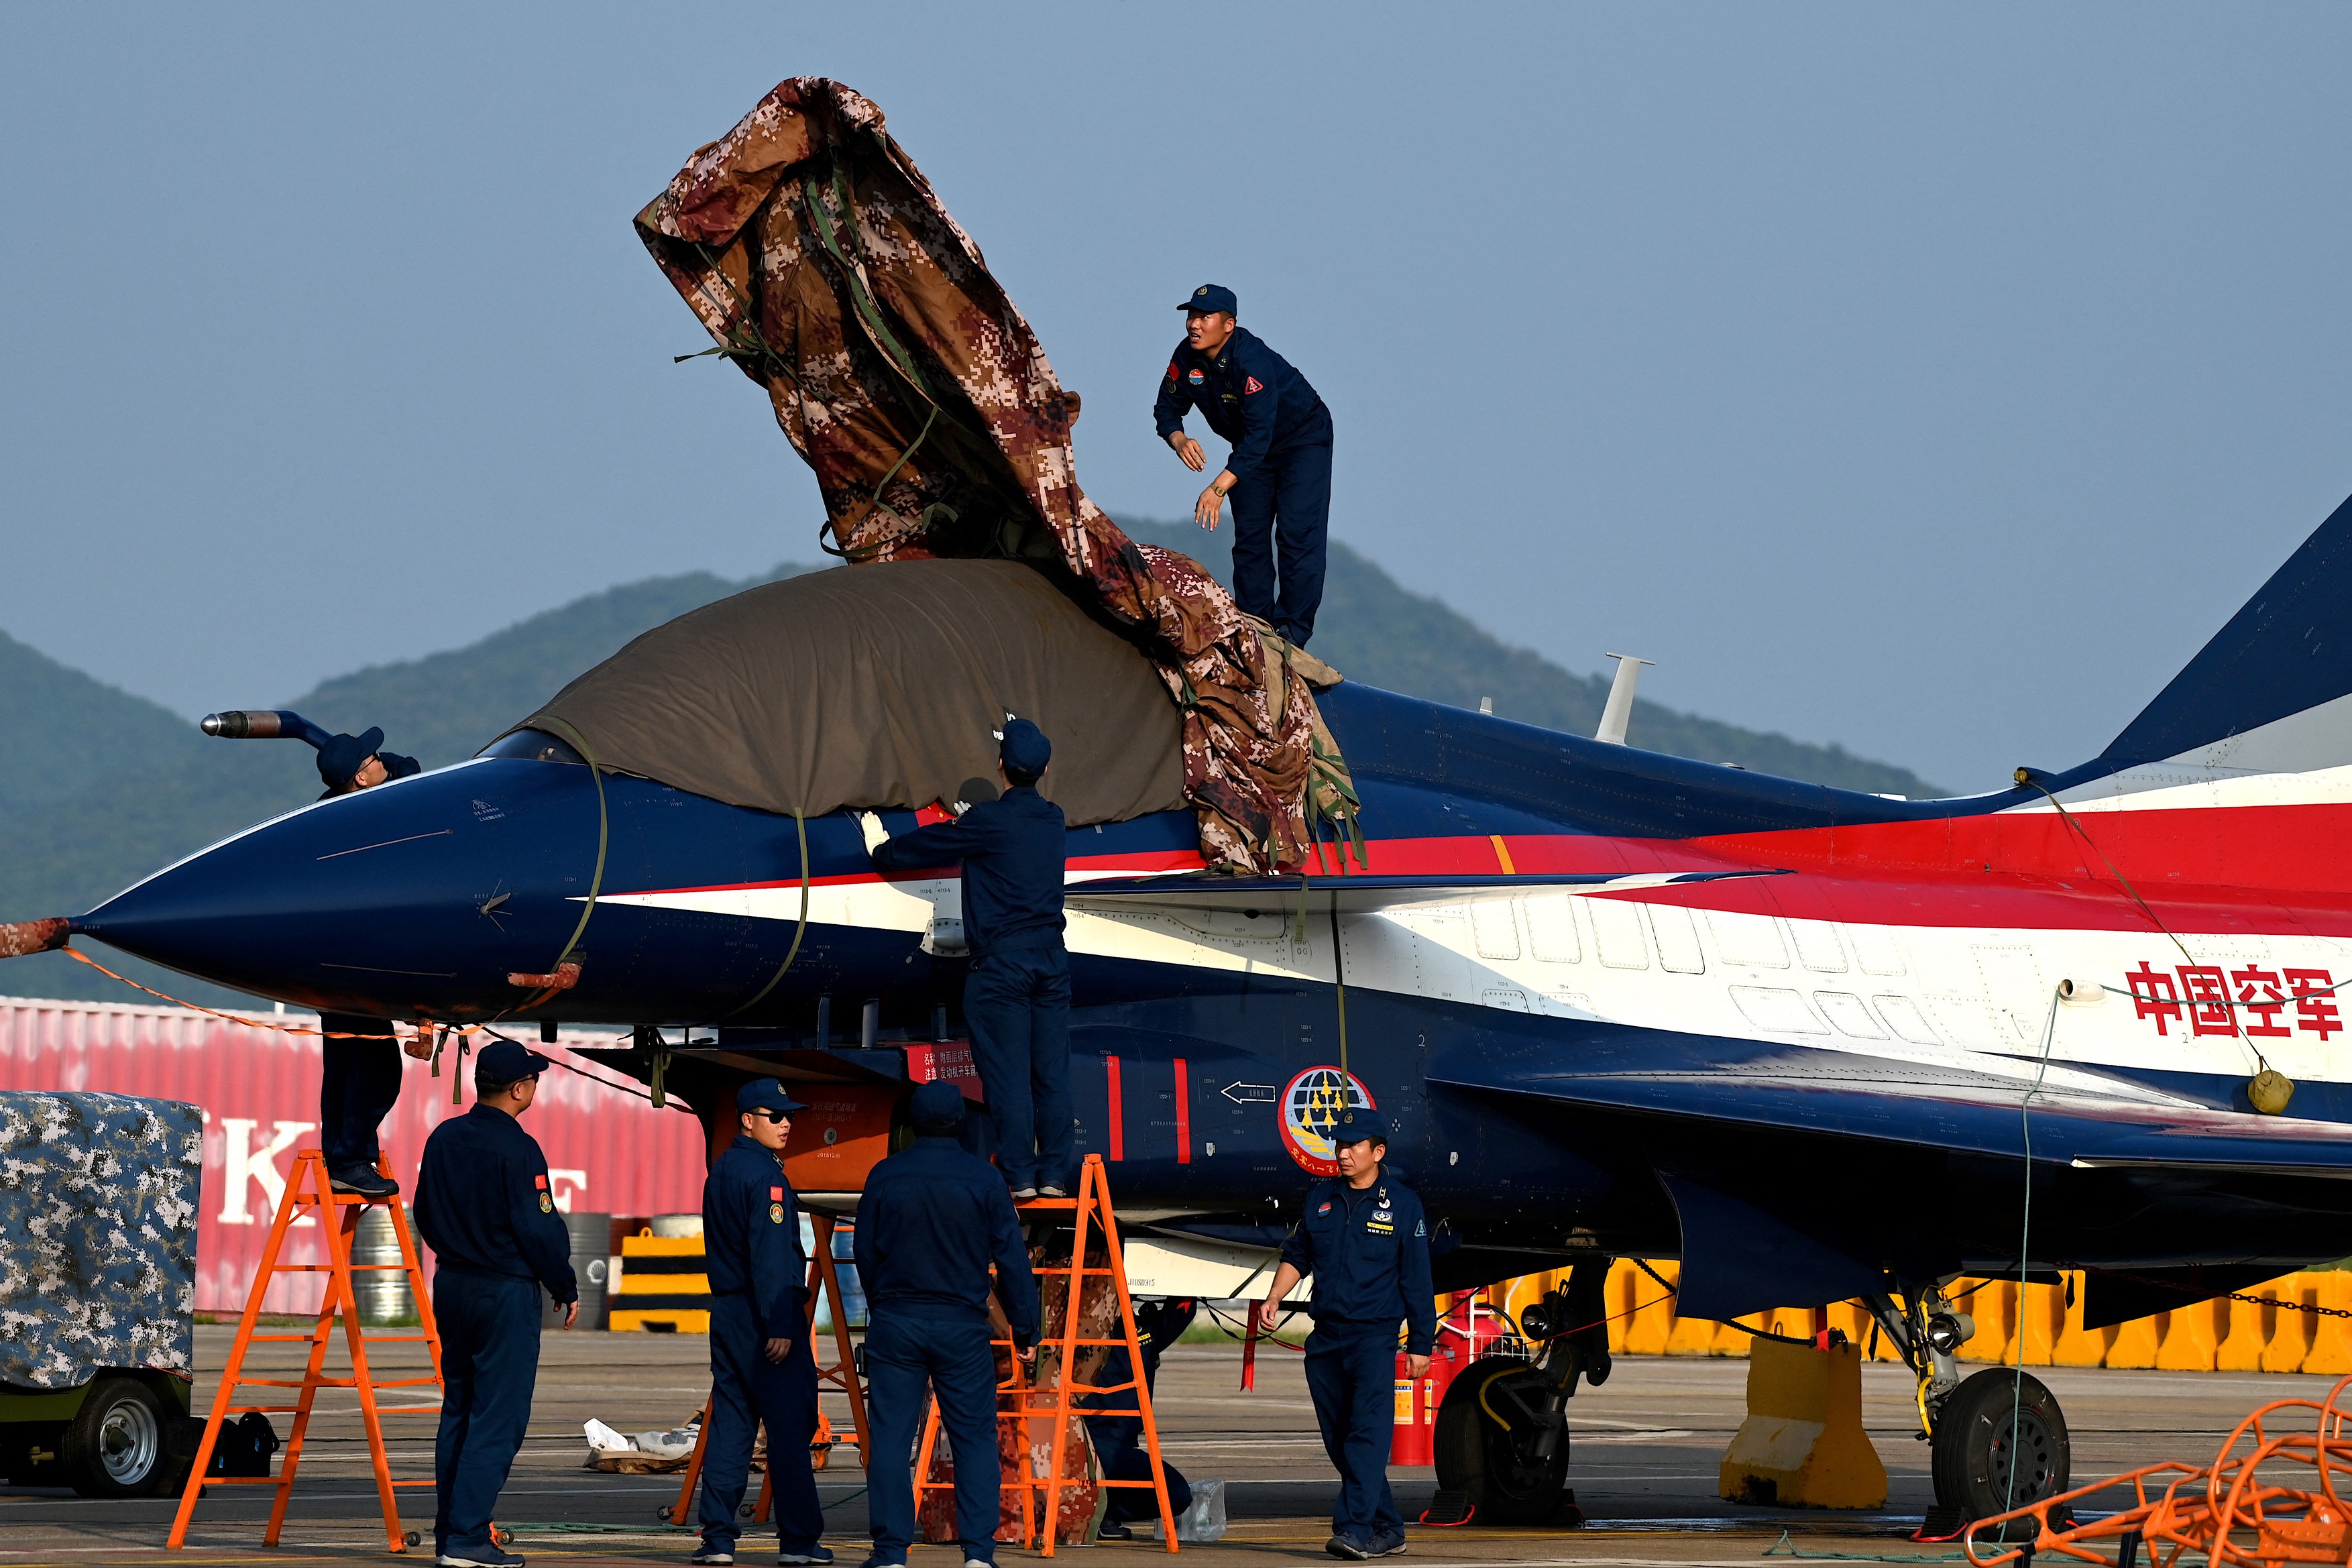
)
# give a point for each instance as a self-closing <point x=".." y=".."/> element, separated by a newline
<point x="2076" y="1115"/>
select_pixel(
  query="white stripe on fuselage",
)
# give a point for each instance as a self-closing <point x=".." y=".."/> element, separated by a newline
<point x="1972" y="997"/>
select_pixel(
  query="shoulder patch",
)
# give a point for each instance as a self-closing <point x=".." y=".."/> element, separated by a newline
<point x="775" y="1194"/>
<point x="540" y="1181"/>
<point x="1252" y="384"/>
<point x="1171" y="370"/>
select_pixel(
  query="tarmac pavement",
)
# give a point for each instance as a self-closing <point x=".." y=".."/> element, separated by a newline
<point x="1645" y="1450"/>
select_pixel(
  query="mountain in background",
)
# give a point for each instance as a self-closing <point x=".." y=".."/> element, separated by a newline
<point x="99" y="788"/>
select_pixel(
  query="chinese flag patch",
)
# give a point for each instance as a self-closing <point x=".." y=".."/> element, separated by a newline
<point x="1252" y="384"/>
<point x="1171" y="370"/>
<point x="540" y="1181"/>
<point x="775" y="1194"/>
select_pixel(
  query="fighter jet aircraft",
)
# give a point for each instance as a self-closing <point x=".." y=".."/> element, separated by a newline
<point x="1817" y="1045"/>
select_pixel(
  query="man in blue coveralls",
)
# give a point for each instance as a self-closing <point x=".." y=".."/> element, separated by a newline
<point x="484" y="1208"/>
<point x="1016" y="995"/>
<point x="930" y="1221"/>
<point x="1363" y="1238"/>
<point x="1279" y="471"/>
<point x="760" y="1368"/>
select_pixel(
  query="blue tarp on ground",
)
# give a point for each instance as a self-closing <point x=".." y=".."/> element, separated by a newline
<point x="98" y="1194"/>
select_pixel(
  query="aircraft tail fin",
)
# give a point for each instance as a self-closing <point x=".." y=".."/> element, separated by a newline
<point x="2272" y="692"/>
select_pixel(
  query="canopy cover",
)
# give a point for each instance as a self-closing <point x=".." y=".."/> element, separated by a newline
<point x="819" y="259"/>
<point x="882" y="688"/>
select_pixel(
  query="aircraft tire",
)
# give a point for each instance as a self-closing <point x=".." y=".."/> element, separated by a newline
<point x="1482" y="1460"/>
<point x="1971" y="1457"/>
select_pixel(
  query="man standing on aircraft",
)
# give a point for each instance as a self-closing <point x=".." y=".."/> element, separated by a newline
<point x="761" y="1370"/>
<point x="1016" y="995"/>
<point x="1279" y="471"/>
<point x="484" y="1208"/>
<point x="930" y="1221"/>
<point x="1364" y="1240"/>
<point x="359" y="1074"/>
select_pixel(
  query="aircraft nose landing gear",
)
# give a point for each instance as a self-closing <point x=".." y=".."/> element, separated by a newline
<point x="2000" y="1443"/>
<point x="1997" y="1441"/>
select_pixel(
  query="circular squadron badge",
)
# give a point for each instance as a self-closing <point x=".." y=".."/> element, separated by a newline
<point x="1312" y="1103"/>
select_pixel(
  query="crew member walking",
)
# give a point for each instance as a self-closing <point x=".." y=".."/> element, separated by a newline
<point x="1016" y="995"/>
<point x="761" y="1370"/>
<point x="930" y="1221"/>
<point x="1278" y="473"/>
<point x="484" y="1208"/>
<point x="1364" y="1240"/>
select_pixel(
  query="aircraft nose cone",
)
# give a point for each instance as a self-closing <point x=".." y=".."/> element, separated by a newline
<point x="415" y="897"/>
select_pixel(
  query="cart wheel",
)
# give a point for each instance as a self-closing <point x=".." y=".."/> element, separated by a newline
<point x="744" y="1512"/>
<point x="413" y="1539"/>
<point x="500" y="1536"/>
<point x="661" y="1513"/>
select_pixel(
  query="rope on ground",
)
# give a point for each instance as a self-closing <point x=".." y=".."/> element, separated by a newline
<point x="1784" y="1547"/>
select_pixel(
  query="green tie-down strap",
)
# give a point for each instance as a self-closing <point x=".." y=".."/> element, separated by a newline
<point x="1331" y="799"/>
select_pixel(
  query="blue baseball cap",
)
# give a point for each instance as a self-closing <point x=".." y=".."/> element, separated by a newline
<point x="766" y="1094"/>
<point x="1212" y="297"/>
<point x="508" y="1062"/>
<point x="938" y="1107"/>
<point x="341" y="757"/>
<point x="1352" y="1129"/>
<point x="1024" y="749"/>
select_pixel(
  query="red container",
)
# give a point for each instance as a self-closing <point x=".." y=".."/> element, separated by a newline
<point x="258" y="1088"/>
<point x="1468" y="1330"/>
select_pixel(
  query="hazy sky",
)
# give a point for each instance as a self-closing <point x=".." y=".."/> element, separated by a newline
<point x="1932" y="380"/>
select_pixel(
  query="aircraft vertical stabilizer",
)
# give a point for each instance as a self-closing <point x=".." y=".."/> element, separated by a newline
<point x="2272" y="691"/>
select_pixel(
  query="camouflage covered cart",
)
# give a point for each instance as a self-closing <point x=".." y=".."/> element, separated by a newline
<point x="98" y="1273"/>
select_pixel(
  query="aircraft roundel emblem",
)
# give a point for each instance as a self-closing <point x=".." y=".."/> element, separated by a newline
<point x="1309" y="1107"/>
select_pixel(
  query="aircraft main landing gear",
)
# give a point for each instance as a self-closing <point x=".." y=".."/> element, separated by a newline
<point x="1501" y="1438"/>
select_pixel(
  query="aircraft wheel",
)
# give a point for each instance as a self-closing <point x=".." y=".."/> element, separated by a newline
<point x="1494" y="1465"/>
<point x="1978" y="1470"/>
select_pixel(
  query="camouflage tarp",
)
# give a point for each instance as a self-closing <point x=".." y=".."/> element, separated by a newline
<point x="818" y="257"/>
<point x="98" y="1234"/>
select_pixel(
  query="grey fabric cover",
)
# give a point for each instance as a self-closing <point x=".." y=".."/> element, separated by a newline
<point x="871" y="687"/>
<point x="98" y="1234"/>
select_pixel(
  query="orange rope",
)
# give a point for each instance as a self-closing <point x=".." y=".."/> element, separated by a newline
<point x="77" y="954"/>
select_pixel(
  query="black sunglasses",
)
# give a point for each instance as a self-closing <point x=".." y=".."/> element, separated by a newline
<point x="771" y="1115"/>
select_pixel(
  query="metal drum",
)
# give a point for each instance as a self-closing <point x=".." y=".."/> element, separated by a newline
<point x="591" y="1237"/>
<point x="386" y="1299"/>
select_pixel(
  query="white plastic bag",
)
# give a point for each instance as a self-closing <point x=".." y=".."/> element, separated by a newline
<point x="604" y="1439"/>
<point x="675" y="1444"/>
<point x="1206" y="1520"/>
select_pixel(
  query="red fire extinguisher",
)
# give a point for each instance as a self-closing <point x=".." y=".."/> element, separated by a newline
<point x="1463" y="1335"/>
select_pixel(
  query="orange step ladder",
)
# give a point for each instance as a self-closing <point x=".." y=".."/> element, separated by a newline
<point x="1091" y="1208"/>
<point x="823" y="1282"/>
<point x="308" y="1190"/>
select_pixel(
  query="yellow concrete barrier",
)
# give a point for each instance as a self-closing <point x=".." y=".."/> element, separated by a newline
<point x="2191" y="1336"/>
<point x="2136" y="1341"/>
<point x="1802" y="1444"/>
<point x="2246" y="1334"/>
<point x="2272" y="1334"/>
<point x="2331" y="1339"/>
